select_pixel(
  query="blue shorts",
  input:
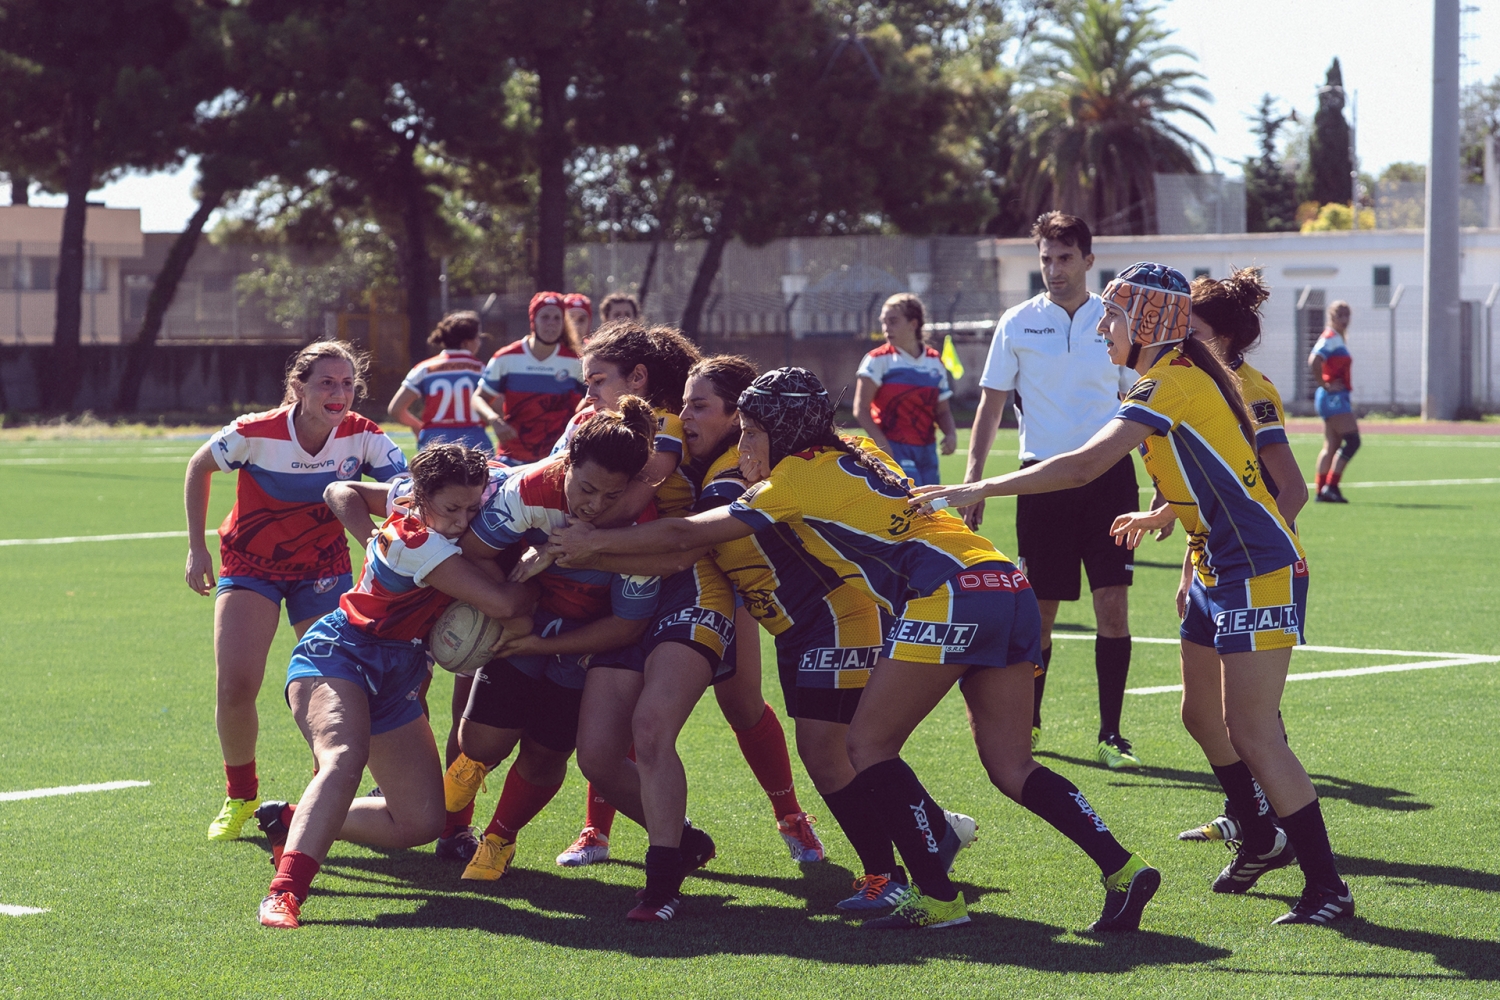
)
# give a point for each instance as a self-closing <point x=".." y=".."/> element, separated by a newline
<point x="1331" y="404"/>
<point x="469" y="437"/>
<point x="1263" y="612"/>
<point x="390" y="672"/>
<point x="984" y="616"/>
<point x="304" y="598"/>
<point x="919" y="461"/>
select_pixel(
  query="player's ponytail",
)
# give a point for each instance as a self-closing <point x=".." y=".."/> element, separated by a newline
<point x="620" y="441"/>
<point x="1232" y="306"/>
<point x="299" y="368"/>
<point x="1228" y="382"/>
<point x="454" y="331"/>
<point x="443" y="465"/>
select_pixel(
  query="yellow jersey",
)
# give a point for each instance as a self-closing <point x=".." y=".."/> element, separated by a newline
<point x="1264" y="402"/>
<point x="674" y="497"/>
<point x="862" y="528"/>
<point x="1200" y="461"/>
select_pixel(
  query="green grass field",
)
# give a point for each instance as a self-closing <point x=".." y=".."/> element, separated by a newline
<point x="107" y="675"/>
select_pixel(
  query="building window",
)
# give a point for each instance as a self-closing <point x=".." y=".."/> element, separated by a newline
<point x="1105" y="277"/>
<point x="1382" y="285"/>
<point x="93" y="275"/>
<point x="1038" y="286"/>
<point x="7" y="274"/>
<point x="1201" y="272"/>
<point x="43" y="270"/>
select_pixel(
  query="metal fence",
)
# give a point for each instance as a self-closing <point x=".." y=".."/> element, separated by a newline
<point x="1403" y="204"/>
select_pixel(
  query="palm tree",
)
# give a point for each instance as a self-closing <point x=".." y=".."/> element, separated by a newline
<point x="1097" y="116"/>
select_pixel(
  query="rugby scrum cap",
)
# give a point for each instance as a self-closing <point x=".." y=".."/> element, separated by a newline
<point x="577" y="300"/>
<point x="1157" y="301"/>
<point x="544" y="299"/>
<point x="793" y="407"/>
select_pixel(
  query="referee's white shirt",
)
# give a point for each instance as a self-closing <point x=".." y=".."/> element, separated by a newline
<point x="1060" y="366"/>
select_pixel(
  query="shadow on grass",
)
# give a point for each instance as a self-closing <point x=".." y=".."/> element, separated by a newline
<point x="568" y="912"/>
<point x="1400" y="871"/>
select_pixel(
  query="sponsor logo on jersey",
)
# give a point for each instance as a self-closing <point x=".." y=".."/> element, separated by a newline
<point x="496" y="518"/>
<point x="1299" y="568"/>
<point x="1281" y="618"/>
<point x="993" y="580"/>
<point x="1264" y="411"/>
<point x="839" y="658"/>
<point x="349" y="468"/>
<point x="1038" y="329"/>
<point x="1142" y="391"/>
<point x="952" y="638"/>
<point x="640" y="588"/>
<point x="707" y="617"/>
<point x="320" y="465"/>
<point x="562" y="375"/>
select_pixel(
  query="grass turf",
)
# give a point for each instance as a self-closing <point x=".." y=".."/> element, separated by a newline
<point x="107" y="666"/>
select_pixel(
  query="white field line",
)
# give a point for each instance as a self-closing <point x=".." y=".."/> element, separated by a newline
<point x="44" y="793"/>
<point x="18" y="911"/>
<point x="69" y="539"/>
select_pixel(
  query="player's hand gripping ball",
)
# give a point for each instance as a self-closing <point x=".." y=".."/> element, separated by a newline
<point x="461" y="639"/>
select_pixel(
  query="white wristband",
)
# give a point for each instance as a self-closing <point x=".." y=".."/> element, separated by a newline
<point x="938" y="503"/>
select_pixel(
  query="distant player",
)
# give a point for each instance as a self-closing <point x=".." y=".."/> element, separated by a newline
<point x="578" y="311"/>
<point x="445" y="383"/>
<point x="534" y="382"/>
<point x="901" y="391"/>
<point x="1329" y="365"/>
<point x="619" y="305"/>
<point x="279" y="542"/>
<point x="355" y="679"/>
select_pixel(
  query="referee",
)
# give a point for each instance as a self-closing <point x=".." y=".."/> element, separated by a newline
<point x="1049" y="352"/>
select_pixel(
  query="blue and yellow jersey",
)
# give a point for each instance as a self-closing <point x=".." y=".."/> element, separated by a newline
<point x="1200" y="461"/>
<point x="862" y="528"/>
<point x="674" y="497"/>
<point x="1264" y="402"/>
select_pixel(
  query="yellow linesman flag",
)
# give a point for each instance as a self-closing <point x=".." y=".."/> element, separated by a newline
<point x="950" y="359"/>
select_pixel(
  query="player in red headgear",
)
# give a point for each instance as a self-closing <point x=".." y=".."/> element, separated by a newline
<point x="578" y="310"/>
<point x="537" y="382"/>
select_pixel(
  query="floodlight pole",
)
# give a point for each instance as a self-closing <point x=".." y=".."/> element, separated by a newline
<point x="1440" y="256"/>
<point x="1489" y="344"/>
<point x="1395" y="301"/>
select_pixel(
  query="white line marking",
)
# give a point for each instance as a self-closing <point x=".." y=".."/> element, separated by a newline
<point x="18" y="911"/>
<point x="43" y="793"/>
<point x="69" y="539"/>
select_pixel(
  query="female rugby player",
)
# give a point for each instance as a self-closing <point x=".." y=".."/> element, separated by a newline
<point x="1329" y="365"/>
<point x="960" y="608"/>
<point x="1248" y="598"/>
<point x="536" y="383"/>
<point x="354" y="679"/>
<point x="279" y="542"/>
<point x="578" y="310"/>
<point x="445" y="383"/>
<point x="901" y="391"/>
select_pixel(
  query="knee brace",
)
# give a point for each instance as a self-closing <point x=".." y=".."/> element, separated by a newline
<point x="1350" y="445"/>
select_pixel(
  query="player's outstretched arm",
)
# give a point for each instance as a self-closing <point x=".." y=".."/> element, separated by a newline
<point x="461" y="579"/>
<point x="580" y="540"/>
<point x="356" y="503"/>
<point x="600" y="636"/>
<point x="1129" y="529"/>
<point x="195" y="487"/>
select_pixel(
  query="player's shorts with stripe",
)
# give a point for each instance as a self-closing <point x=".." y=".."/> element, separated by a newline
<point x="984" y="616"/>
<point x="469" y="437"/>
<point x="390" y="672"/>
<point x="824" y="662"/>
<point x="1263" y="612"/>
<point x="1055" y="532"/>
<point x="696" y="609"/>
<point x="304" y="598"/>
<point x="1331" y="404"/>
<point x="505" y="697"/>
<point x="918" y="461"/>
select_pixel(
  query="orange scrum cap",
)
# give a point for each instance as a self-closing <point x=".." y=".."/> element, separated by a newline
<point x="1156" y="300"/>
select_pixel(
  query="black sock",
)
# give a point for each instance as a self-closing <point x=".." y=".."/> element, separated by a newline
<point x="1305" y="829"/>
<point x="1039" y="684"/>
<point x="861" y="823"/>
<point x="663" y="874"/>
<point x="1058" y="801"/>
<point x="912" y="819"/>
<point x="1252" y="810"/>
<point x="1112" y="666"/>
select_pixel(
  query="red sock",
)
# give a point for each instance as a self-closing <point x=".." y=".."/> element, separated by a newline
<point x="294" y="874"/>
<point x="1322" y="478"/>
<point x="764" y="747"/>
<point x="600" y="814"/>
<point x="457" y="821"/>
<point x="520" y="801"/>
<point x="240" y="781"/>
<point x="1334" y="477"/>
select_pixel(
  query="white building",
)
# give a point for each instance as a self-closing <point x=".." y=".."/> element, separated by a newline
<point x="1369" y="269"/>
<point x="29" y="241"/>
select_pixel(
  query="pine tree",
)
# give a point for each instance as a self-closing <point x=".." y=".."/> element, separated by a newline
<point x="1270" y="188"/>
<point x="1325" y="175"/>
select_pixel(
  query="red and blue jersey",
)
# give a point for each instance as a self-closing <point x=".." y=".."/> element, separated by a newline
<point x="1336" y="358"/>
<point x="540" y="396"/>
<point x="446" y="383"/>
<point x="392" y="599"/>
<point x="532" y="505"/>
<point x="908" y="392"/>
<point x="280" y="528"/>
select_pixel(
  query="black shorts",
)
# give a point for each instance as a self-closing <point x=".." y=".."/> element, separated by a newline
<point x="1057" y="531"/>
<point x="819" y="704"/>
<point x="505" y="698"/>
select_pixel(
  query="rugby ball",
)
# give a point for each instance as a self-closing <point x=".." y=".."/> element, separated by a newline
<point x="460" y="640"/>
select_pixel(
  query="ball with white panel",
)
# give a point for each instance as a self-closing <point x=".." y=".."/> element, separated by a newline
<point x="460" y="640"/>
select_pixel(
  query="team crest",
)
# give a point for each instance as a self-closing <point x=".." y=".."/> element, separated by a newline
<point x="1142" y="391"/>
<point x="349" y="468"/>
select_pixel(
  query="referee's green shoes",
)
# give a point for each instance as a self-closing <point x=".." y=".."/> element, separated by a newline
<point x="916" y="911"/>
<point x="232" y="819"/>
<point x="1115" y="752"/>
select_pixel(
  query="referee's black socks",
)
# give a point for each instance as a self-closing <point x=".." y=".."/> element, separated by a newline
<point x="859" y="817"/>
<point x="1112" y="666"/>
<point x="1039" y="685"/>
<point x="1058" y="801"/>
<point x="913" y="820"/>
<point x="1251" y="807"/>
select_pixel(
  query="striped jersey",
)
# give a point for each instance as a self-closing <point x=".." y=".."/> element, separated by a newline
<point x="540" y="395"/>
<point x="674" y="497"/>
<point x="1200" y="461"/>
<point x="1337" y="361"/>
<point x="446" y="383"/>
<point x="280" y="528"/>
<point x="392" y="599"/>
<point x="909" y="390"/>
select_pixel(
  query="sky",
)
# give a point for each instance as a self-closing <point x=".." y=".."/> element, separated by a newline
<point x="1244" y="49"/>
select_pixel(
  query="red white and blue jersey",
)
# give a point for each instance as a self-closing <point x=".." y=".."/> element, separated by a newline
<point x="392" y="599"/>
<point x="279" y="528"/>
<point x="532" y="505"/>
<point x="540" y="396"/>
<point x="908" y="392"/>
<point x="446" y="383"/>
<point x="1336" y="358"/>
